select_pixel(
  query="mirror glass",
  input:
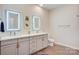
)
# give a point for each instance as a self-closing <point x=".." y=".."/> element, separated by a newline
<point x="13" y="20"/>
<point x="36" y="23"/>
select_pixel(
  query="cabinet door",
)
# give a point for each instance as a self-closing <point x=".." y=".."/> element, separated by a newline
<point x="23" y="48"/>
<point x="9" y="50"/>
<point x="39" y="43"/>
<point x="45" y="41"/>
<point x="32" y="45"/>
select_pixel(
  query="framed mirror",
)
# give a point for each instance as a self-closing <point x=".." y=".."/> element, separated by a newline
<point x="12" y="20"/>
<point x="36" y="23"/>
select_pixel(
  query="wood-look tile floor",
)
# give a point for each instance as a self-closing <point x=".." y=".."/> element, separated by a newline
<point x="57" y="50"/>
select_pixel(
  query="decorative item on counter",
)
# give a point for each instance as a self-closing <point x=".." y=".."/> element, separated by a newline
<point x="2" y="26"/>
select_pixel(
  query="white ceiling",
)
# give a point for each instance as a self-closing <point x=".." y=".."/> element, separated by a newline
<point x="52" y="6"/>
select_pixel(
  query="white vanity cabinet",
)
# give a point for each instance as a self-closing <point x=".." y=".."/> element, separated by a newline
<point x="32" y="44"/>
<point x="9" y="50"/>
<point x="42" y="41"/>
<point x="9" y="47"/>
<point x="23" y="46"/>
<point x="39" y="42"/>
<point x="45" y="40"/>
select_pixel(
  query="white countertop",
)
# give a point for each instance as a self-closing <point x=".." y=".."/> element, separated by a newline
<point x="19" y="36"/>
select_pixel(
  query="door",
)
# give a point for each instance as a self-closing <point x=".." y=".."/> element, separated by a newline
<point x="23" y="47"/>
<point x="9" y="50"/>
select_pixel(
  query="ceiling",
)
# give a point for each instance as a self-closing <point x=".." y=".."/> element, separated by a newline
<point x="51" y="6"/>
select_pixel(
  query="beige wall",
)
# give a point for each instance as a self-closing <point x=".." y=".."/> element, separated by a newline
<point x="64" y="26"/>
<point x="62" y="23"/>
<point x="26" y="10"/>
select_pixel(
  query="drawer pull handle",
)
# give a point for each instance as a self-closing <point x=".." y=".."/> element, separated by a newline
<point x="42" y="39"/>
<point x="17" y="45"/>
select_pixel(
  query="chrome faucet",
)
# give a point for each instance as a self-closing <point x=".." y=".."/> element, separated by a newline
<point x="14" y="33"/>
<point x="10" y="33"/>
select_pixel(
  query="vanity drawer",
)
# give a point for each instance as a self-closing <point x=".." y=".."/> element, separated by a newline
<point x="24" y="39"/>
<point x="33" y="37"/>
<point x="7" y="42"/>
<point x="32" y="46"/>
<point x="32" y="41"/>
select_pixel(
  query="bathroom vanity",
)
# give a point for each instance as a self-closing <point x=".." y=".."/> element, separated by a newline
<point x="24" y="44"/>
<point x="21" y="44"/>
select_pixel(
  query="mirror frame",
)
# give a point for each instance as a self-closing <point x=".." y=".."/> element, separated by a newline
<point x="33" y="23"/>
<point x="7" y="20"/>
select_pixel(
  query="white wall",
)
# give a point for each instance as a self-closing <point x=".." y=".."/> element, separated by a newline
<point x="64" y="26"/>
<point x="26" y="10"/>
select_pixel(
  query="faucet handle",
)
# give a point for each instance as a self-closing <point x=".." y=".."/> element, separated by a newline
<point x="14" y="33"/>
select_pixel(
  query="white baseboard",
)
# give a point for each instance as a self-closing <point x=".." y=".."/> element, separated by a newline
<point x="66" y="45"/>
